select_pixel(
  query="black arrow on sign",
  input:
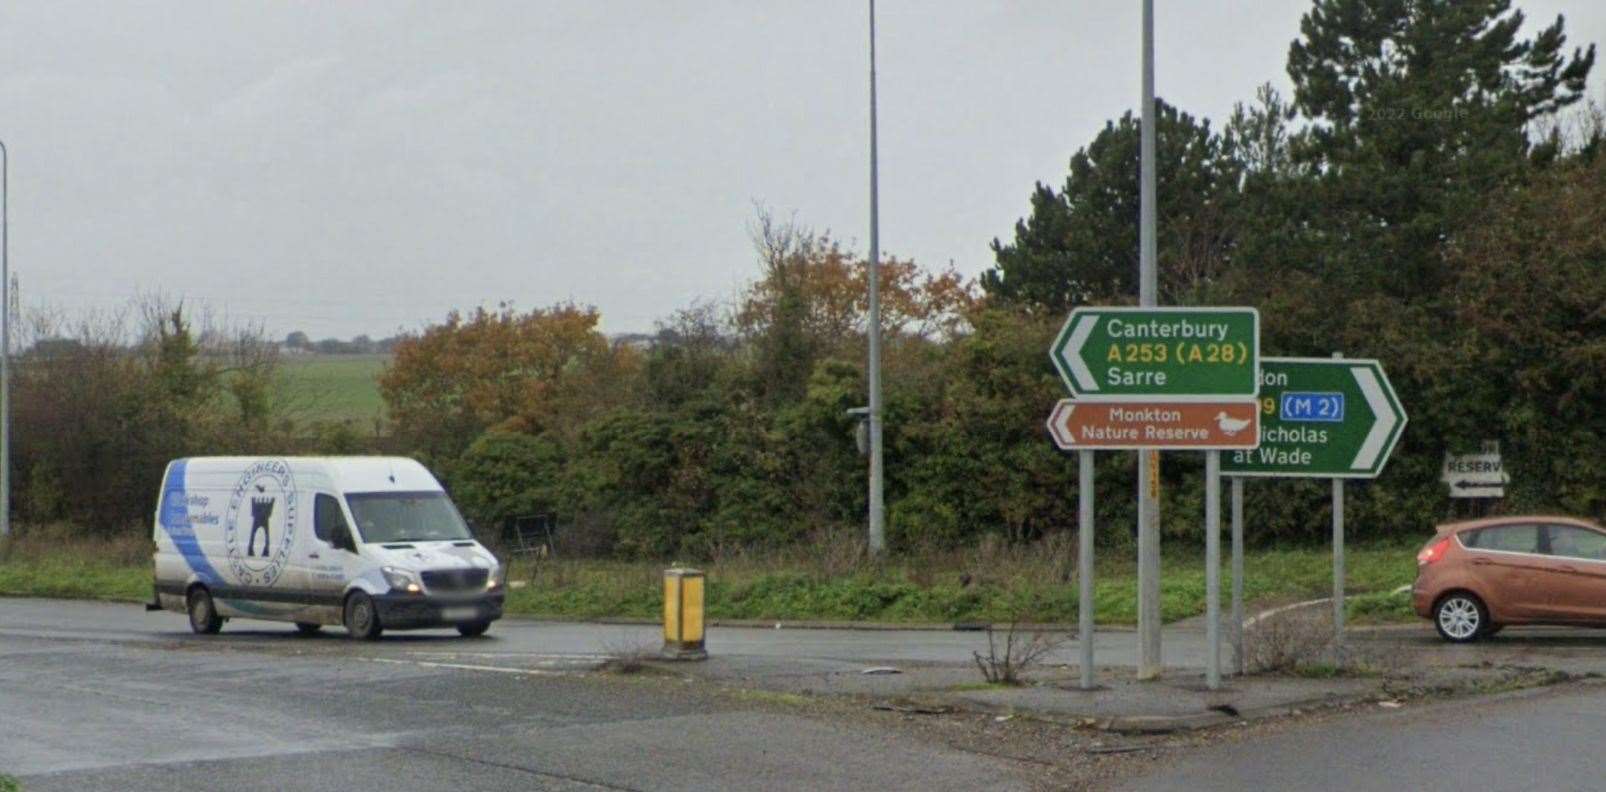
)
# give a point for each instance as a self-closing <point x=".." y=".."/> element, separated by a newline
<point x="1475" y="485"/>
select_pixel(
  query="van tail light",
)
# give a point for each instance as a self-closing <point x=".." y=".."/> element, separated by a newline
<point x="1433" y="552"/>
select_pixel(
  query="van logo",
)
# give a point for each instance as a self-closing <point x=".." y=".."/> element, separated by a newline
<point x="261" y="512"/>
<point x="263" y="504"/>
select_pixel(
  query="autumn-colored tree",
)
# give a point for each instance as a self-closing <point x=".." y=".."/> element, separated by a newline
<point x="544" y="370"/>
<point x="833" y="287"/>
<point x="811" y="300"/>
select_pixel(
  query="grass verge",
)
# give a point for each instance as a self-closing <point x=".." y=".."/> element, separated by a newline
<point x="9" y="784"/>
<point x="50" y="561"/>
<point x="991" y="583"/>
<point x="960" y="587"/>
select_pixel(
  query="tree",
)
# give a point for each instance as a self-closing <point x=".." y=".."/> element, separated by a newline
<point x="298" y="340"/>
<point x="91" y="407"/>
<point x="545" y="370"/>
<point x="1080" y="244"/>
<point x="1418" y="108"/>
<point x="812" y="301"/>
<point x="1530" y="355"/>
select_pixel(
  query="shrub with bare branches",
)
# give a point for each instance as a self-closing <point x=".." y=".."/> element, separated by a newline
<point x="1007" y="663"/>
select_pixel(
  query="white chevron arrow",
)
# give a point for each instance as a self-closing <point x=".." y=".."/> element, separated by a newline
<point x="1382" y="427"/>
<point x="1073" y="352"/>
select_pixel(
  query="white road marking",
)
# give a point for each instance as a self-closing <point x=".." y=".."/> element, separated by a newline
<point x="469" y="667"/>
<point x="1266" y="614"/>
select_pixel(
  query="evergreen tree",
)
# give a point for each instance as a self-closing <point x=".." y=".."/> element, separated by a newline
<point x="1418" y="107"/>
<point x="1080" y="244"/>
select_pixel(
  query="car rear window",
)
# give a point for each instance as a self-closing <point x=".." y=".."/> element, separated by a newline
<point x="1509" y="538"/>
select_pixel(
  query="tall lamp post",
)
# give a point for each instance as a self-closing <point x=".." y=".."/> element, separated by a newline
<point x="1149" y="658"/>
<point x="878" y="536"/>
<point x="5" y="345"/>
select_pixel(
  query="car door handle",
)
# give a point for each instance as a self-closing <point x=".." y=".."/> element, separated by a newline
<point x="312" y="555"/>
<point x="1482" y="561"/>
<point x="1568" y="569"/>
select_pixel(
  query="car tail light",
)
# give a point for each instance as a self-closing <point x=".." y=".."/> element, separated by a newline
<point x="1433" y="552"/>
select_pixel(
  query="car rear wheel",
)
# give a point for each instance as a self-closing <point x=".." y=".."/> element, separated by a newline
<point x="1460" y="617"/>
<point x="203" y="614"/>
<point x="472" y="629"/>
<point x="362" y="619"/>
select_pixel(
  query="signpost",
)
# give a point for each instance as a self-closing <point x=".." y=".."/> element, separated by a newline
<point x="1132" y="425"/>
<point x="1322" y="418"/>
<point x="1157" y="378"/>
<point x="1334" y="418"/>
<point x="1159" y="354"/>
<point x="1480" y="475"/>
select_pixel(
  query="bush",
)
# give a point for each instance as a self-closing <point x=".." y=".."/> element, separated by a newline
<point x="109" y="408"/>
<point x="505" y="475"/>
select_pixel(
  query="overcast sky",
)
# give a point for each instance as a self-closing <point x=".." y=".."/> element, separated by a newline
<point x="363" y="167"/>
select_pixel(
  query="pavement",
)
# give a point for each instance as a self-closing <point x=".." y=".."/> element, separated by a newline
<point x="107" y="696"/>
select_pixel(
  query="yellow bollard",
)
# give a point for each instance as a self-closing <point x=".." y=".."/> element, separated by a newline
<point x="683" y="615"/>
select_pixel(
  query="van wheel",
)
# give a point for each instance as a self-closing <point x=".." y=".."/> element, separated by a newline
<point x="203" y="614"/>
<point x="1460" y="617"/>
<point x="362" y="619"/>
<point x="308" y="628"/>
<point x="472" y="629"/>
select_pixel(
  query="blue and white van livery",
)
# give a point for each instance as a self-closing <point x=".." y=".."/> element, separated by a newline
<point x="371" y="543"/>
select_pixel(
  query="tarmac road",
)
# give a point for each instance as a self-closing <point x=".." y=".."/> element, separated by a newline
<point x="1184" y="648"/>
<point x="106" y="696"/>
<point x="1546" y="739"/>
<point x="98" y="696"/>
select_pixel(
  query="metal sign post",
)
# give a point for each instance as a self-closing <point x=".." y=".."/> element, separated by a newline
<point x="1338" y="551"/>
<point x="1213" y="569"/>
<point x="1238" y="575"/>
<point x="1084" y="568"/>
<point x="1338" y="560"/>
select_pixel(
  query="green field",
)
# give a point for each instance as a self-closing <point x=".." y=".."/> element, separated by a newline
<point x="333" y="388"/>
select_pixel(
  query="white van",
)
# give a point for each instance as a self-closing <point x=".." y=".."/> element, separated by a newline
<point x="372" y="543"/>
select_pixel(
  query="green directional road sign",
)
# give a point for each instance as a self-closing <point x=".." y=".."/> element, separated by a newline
<point x="1159" y="354"/>
<point x="1321" y="418"/>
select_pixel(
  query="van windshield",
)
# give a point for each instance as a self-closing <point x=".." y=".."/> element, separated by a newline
<point x="406" y="517"/>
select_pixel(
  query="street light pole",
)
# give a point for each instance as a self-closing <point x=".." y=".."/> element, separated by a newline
<point x="1149" y="660"/>
<point x="878" y="539"/>
<point x="5" y="344"/>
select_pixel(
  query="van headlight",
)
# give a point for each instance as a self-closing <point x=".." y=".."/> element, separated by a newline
<point x="401" y="580"/>
<point x="498" y="578"/>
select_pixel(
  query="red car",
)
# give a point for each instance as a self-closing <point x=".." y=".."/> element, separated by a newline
<point x="1473" y="578"/>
